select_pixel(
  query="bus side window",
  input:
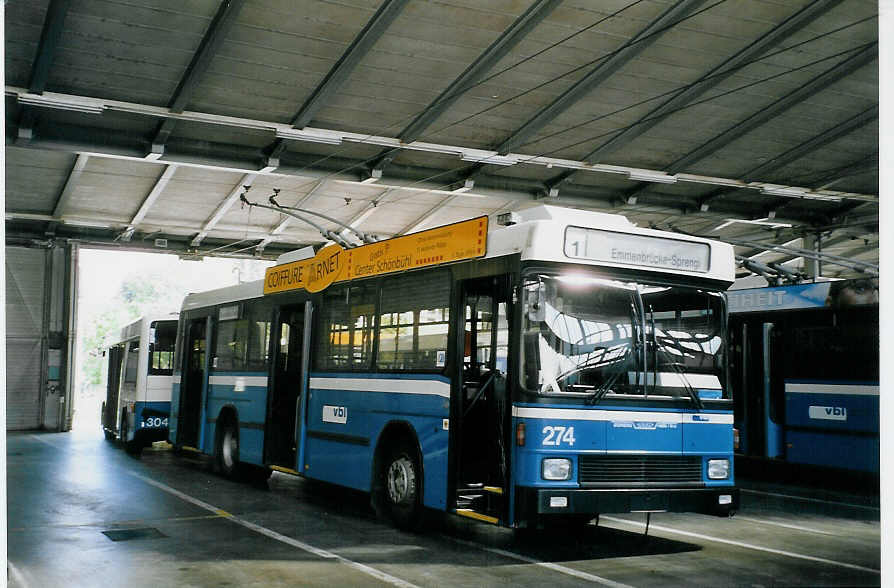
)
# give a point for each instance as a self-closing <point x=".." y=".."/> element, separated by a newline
<point x="161" y="348"/>
<point x="242" y="344"/>
<point x="502" y="357"/>
<point x="478" y="336"/>
<point x="345" y="336"/>
<point x="414" y="320"/>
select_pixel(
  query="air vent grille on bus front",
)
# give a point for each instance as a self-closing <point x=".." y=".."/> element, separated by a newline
<point x="639" y="470"/>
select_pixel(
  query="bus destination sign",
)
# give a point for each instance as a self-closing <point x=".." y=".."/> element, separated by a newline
<point x="463" y="240"/>
<point x="641" y="250"/>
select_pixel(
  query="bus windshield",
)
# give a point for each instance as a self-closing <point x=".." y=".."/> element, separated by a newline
<point x="598" y="338"/>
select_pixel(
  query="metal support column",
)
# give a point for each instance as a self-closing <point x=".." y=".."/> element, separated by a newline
<point x="813" y="267"/>
<point x="71" y="315"/>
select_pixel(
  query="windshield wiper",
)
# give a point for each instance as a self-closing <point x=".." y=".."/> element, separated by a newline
<point x="639" y="337"/>
<point x="606" y="386"/>
<point x="592" y="362"/>
<point x="696" y="400"/>
<point x="654" y="350"/>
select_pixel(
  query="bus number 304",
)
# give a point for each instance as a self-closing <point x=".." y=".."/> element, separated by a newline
<point x="558" y="435"/>
<point x="155" y="422"/>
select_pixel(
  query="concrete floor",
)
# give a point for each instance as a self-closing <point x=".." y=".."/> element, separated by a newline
<point x="189" y="527"/>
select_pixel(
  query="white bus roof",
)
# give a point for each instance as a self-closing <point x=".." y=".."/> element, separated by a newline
<point x="132" y="329"/>
<point x="541" y="233"/>
<point x="244" y="291"/>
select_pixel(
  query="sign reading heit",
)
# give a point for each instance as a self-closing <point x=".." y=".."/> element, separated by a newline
<point x="463" y="240"/>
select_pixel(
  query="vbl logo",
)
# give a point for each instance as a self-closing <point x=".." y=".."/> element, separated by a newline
<point x="335" y="414"/>
<point x="827" y="413"/>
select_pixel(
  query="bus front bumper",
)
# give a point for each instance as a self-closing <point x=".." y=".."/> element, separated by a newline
<point x="534" y="502"/>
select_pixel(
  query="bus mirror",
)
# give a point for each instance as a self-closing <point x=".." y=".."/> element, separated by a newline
<point x="536" y="307"/>
<point x="532" y="360"/>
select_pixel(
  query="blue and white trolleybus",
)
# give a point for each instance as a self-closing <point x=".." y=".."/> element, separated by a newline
<point x="804" y="363"/>
<point x="138" y="371"/>
<point x="547" y="367"/>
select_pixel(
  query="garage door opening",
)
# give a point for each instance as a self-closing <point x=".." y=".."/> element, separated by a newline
<point x="115" y="289"/>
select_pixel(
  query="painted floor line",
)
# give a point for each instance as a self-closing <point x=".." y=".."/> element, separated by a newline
<point x="42" y="440"/>
<point x="786" y="525"/>
<point x="130" y="523"/>
<point x="747" y="545"/>
<point x="545" y="564"/>
<point x="806" y="499"/>
<point x="16" y="579"/>
<point x="278" y="536"/>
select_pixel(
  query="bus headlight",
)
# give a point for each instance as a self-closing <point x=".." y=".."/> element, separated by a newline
<point x="556" y="468"/>
<point x="718" y="469"/>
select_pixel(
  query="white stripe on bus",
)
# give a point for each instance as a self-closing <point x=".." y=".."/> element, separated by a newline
<point x="158" y="388"/>
<point x="395" y="386"/>
<point x="845" y="389"/>
<point x="675" y="380"/>
<point x="222" y="380"/>
<point x="746" y="545"/>
<point x="621" y="415"/>
<point x="379" y="575"/>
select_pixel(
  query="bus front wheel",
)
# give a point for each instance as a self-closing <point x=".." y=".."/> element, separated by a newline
<point x="227" y="453"/>
<point x="401" y="488"/>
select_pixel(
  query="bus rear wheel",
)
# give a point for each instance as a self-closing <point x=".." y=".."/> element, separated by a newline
<point x="401" y="488"/>
<point x="102" y="420"/>
<point x="131" y="447"/>
<point x="227" y="452"/>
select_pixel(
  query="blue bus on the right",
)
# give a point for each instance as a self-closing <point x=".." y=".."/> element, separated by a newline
<point x="804" y="365"/>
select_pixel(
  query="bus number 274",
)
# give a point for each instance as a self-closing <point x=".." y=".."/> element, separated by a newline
<point x="556" y="436"/>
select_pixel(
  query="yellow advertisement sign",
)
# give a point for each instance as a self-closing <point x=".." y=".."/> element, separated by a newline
<point x="463" y="240"/>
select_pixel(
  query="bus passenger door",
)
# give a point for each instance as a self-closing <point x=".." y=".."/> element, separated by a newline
<point x="481" y="418"/>
<point x="289" y="375"/>
<point x="194" y="382"/>
<point x="113" y="387"/>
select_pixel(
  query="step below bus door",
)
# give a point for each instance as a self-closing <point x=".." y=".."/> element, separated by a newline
<point x="283" y="428"/>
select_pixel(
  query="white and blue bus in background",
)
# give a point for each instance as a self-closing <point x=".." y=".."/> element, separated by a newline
<point x="137" y="372"/>
<point x="555" y="365"/>
<point x="805" y="367"/>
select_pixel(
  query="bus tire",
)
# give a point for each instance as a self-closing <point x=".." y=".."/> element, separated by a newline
<point x="226" y="454"/>
<point x="401" y="487"/>
<point x="131" y="447"/>
<point x="134" y="446"/>
<point x="122" y="429"/>
<point x="102" y="421"/>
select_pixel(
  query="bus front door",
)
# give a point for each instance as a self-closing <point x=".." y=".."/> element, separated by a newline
<point x="482" y="411"/>
<point x="195" y="380"/>
<point x="289" y="374"/>
<point x="113" y="388"/>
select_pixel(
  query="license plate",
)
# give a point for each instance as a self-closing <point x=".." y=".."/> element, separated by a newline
<point x="648" y="502"/>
